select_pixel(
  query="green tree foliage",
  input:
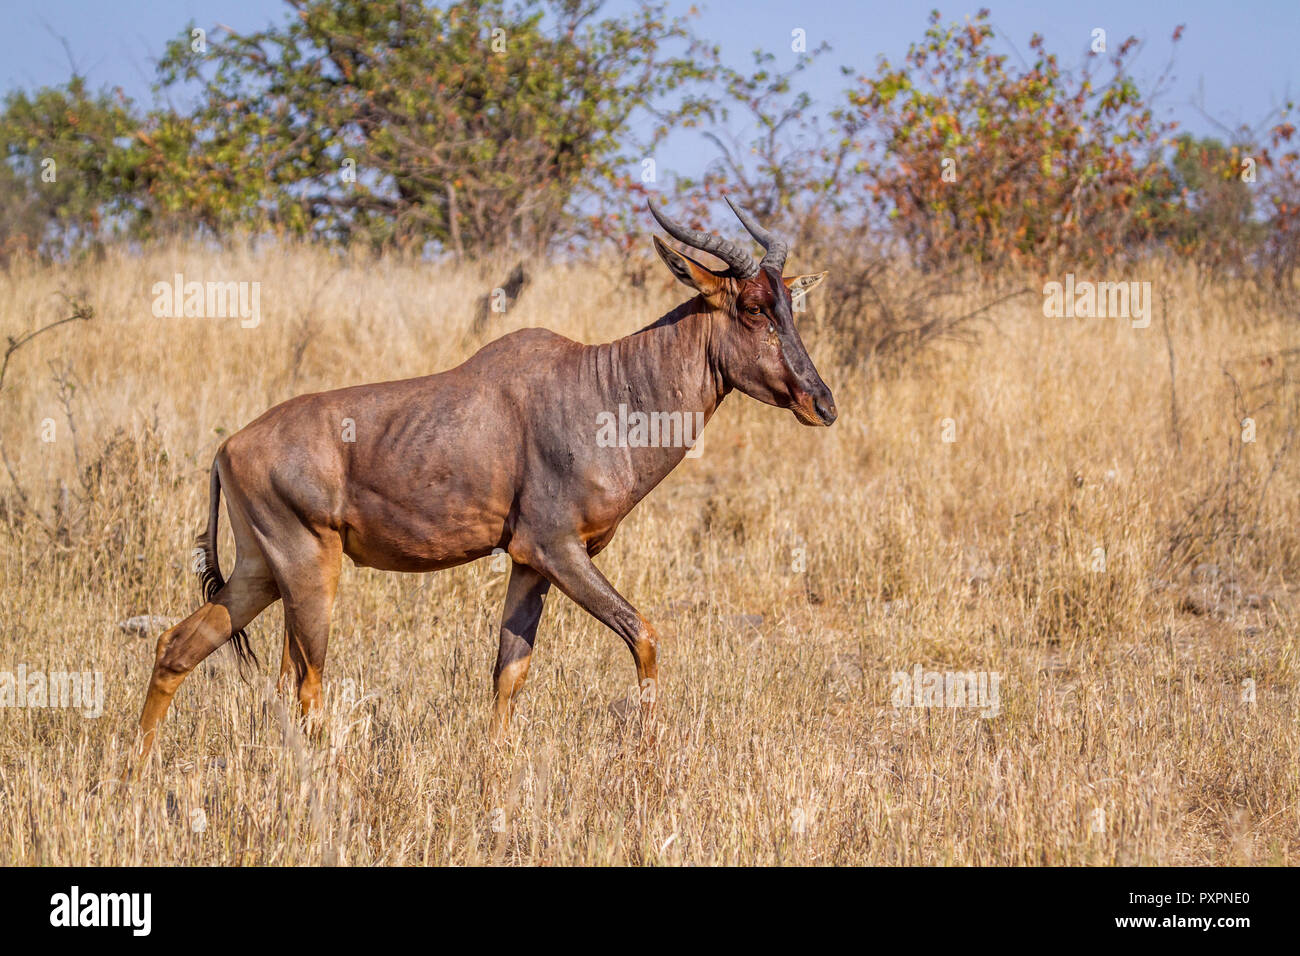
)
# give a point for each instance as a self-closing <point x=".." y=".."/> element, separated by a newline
<point x="476" y="125"/>
<point x="1039" y="164"/>
<point x="1280" y="253"/>
<point x="68" y="174"/>
<point x="1216" y="222"/>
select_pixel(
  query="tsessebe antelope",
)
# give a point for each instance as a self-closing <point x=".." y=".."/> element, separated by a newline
<point x="499" y="452"/>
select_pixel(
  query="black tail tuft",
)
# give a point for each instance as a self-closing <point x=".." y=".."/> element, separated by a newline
<point x="211" y="581"/>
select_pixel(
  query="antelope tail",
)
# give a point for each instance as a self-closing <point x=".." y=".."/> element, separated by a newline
<point x="209" y="567"/>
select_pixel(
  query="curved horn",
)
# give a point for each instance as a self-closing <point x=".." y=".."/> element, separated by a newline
<point x="740" y="262"/>
<point x="775" y="248"/>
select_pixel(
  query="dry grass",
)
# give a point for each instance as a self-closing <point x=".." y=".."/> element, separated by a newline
<point x="1121" y="689"/>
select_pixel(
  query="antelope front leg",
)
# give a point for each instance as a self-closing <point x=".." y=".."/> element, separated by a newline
<point x="571" y="569"/>
<point x="525" y="595"/>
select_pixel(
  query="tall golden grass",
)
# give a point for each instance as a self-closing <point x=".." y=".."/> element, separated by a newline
<point x="1119" y="556"/>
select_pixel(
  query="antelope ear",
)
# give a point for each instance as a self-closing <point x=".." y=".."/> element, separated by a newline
<point x="804" y="284"/>
<point x="700" y="278"/>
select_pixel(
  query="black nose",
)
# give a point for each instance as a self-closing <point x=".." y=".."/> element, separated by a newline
<point x="825" y="408"/>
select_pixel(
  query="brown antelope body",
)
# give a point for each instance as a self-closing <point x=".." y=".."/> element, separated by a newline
<point x="499" y="452"/>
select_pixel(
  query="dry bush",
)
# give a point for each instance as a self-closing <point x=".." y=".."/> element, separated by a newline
<point x="791" y="571"/>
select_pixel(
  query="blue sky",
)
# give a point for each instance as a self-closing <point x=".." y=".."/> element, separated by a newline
<point x="1237" y="59"/>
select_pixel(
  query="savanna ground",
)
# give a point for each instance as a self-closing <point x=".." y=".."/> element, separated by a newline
<point x="1148" y="694"/>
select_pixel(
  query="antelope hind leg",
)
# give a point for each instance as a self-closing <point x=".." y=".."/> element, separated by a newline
<point x="181" y="648"/>
<point x="308" y="588"/>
